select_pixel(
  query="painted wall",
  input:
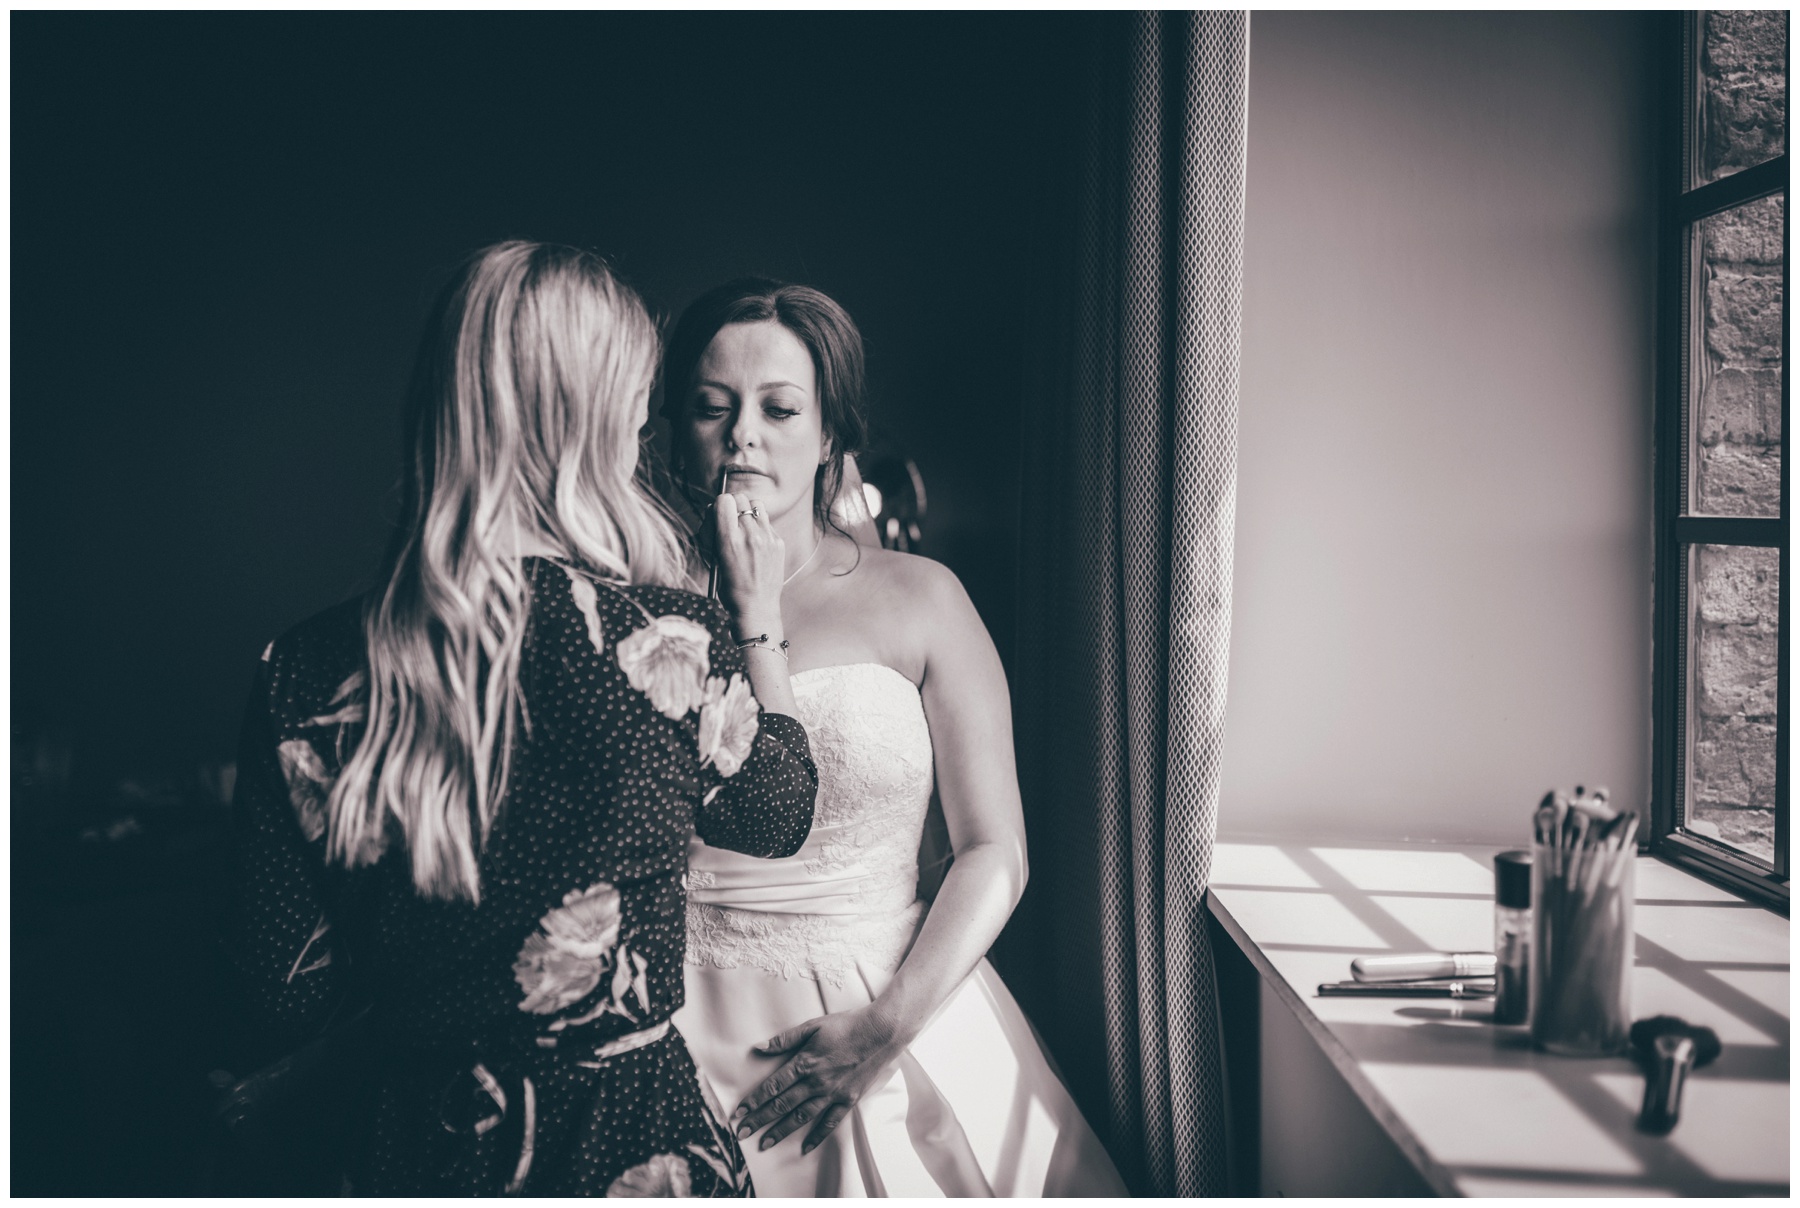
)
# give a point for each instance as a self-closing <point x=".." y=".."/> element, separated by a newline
<point x="1442" y="597"/>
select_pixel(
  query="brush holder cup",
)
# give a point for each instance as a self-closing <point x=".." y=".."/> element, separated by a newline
<point x="1582" y="953"/>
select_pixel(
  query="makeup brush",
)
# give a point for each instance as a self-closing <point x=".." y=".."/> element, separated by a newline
<point x="1669" y="1047"/>
<point x="712" y="575"/>
<point x="1581" y="931"/>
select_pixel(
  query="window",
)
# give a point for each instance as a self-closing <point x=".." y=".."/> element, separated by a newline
<point x="1720" y="803"/>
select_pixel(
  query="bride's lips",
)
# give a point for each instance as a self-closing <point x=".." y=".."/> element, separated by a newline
<point x="737" y="471"/>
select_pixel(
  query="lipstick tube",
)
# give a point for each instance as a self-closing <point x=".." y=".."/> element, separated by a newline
<point x="1419" y="966"/>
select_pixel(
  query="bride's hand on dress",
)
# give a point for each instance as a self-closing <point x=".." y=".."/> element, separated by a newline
<point x="833" y="1061"/>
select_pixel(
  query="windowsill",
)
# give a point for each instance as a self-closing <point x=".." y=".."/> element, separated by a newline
<point x="1717" y="864"/>
<point x="1472" y="1107"/>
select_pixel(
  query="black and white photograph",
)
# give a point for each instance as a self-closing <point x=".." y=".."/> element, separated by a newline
<point x="907" y="603"/>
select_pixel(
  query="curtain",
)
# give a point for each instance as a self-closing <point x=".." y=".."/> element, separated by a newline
<point x="1125" y="608"/>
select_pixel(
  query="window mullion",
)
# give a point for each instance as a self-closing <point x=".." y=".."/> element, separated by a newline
<point x="1763" y="180"/>
<point x="1730" y="530"/>
<point x="1670" y="441"/>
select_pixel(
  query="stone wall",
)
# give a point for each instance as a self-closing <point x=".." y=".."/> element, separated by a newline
<point x="1732" y="776"/>
<point x="1736" y="466"/>
<point x="1737" y="430"/>
<point x="1743" y="80"/>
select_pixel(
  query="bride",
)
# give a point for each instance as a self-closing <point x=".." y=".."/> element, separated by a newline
<point x="864" y="1036"/>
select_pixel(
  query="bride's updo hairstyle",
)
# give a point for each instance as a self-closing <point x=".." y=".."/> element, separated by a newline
<point x="522" y="422"/>
<point x="817" y="322"/>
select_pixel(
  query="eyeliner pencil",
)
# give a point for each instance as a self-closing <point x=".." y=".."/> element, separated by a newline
<point x="1467" y="988"/>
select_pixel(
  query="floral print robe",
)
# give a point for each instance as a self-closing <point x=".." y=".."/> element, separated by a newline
<point x="525" y="1041"/>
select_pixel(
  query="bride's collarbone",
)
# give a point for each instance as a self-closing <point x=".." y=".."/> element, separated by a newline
<point x="860" y="607"/>
<point x="837" y="637"/>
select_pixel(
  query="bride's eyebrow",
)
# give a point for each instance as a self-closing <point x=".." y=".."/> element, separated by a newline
<point x="766" y="386"/>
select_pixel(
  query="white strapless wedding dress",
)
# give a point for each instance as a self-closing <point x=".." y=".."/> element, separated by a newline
<point x="973" y="1108"/>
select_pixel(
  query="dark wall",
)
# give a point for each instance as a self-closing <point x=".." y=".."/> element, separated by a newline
<point x="226" y="230"/>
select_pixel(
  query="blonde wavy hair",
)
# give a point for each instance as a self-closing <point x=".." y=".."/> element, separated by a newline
<point x="530" y="387"/>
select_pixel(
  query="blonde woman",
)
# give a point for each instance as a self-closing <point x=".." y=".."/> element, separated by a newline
<point x="472" y="791"/>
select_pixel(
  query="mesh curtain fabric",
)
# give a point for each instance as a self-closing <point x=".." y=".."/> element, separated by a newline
<point x="1130" y="470"/>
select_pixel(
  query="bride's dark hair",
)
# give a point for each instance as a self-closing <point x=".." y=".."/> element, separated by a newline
<point x="819" y="323"/>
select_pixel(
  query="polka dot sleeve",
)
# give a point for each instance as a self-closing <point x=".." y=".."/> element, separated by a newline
<point x="280" y="931"/>
<point x="766" y="807"/>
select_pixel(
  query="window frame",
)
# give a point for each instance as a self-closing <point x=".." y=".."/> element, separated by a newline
<point x="1680" y="208"/>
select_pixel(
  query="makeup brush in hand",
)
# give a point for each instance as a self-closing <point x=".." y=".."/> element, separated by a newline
<point x="1669" y="1047"/>
<point x="712" y="574"/>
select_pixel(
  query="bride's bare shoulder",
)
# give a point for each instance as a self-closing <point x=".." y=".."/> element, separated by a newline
<point x="912" y="608"/>
<point x="911" y="590"/>
<point x="911" y="578"/>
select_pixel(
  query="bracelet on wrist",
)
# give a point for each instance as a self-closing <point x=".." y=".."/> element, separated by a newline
<point x="761" y="642"/>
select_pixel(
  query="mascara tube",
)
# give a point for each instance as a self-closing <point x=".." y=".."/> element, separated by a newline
<point x="1512" y="936"/>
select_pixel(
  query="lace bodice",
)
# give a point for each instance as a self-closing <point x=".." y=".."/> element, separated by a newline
<point x="850" y="893"/>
